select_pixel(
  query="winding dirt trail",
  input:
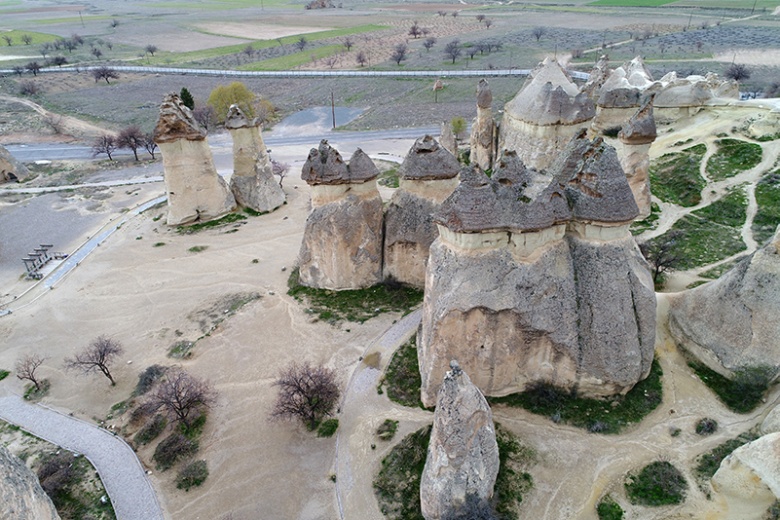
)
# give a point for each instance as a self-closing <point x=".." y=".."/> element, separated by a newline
<point x="62" y="124"/>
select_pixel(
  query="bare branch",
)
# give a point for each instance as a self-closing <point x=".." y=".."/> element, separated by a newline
<point x="25" y="369"/>
<point x="306" y="393"/>
<point x="96" y="357"/>
<point x="182" y="397"/>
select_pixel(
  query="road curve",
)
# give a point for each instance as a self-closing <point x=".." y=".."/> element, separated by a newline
<point x="123" y="476"/>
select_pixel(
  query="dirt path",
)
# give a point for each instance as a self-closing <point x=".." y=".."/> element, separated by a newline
<point x="62" y="124"/>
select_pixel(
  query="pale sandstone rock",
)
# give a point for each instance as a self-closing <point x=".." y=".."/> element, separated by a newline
<point x="732" y="322"/>
<point x="635" y="139"/>
<point x="195" y="190"/>
<point x="462" y="454"/>
<point x="447" y="138"/>
<point x="771" y="422"/>
<point x="766" y="125"/>
<point x="21" y="495"/>
<point x="543" y="117"/>
<point x="748" y="480"/>
<point x="427" y="177"/>
<point x="11" y="170"/>
<point x="252" y="183"/>
<point x="483" y="129"/>
<point x="621" y="94"/>
<point x="342" y="242"/>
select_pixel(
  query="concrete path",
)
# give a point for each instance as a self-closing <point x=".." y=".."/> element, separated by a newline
<point x="122" y="474"/>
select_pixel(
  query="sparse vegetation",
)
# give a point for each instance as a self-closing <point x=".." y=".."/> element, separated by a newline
<point x="67" y="480"/>
<point x="657" y="484"/>
<point x="608" y="509"/>
<point x="397" y="486"/>
<point x="708" y="463"/>
<point x="148" y="378"/>
<point x="743" y="392"/>
<point x="512" y="480"/>
<point x="192" y="475"/>
<point x="733" y="157"/>
<point x="328" y="427"/>
<point x="767" y="217"/>
<point x="675" y="177"/>
<point x="197" y="249"/>
<point x="387" y="429"/>
<point x="151" y="430"/>
<point x="706" y="426"/>
<point x="402" y="378"/>
<point x="173" y="448"/>
<point x="4" y="374"/>
<point x="230" y="218"/>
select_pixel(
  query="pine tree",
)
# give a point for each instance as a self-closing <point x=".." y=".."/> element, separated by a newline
<point x="187" y="98"/>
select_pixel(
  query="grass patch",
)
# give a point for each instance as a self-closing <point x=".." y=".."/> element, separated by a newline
<point x="36" y="39"/>
<point x="192" y="475"/>
<point x="327" y="428"/>
<point x="69" y="481"/>
<point x="230" y="218"/>
<point x="733" y="157"/>
<point x="649" y="223"/>
<point x="768" y="200"/>
<point x="387" y="429"/>
<point x="292" y="61"/>
<point x="355" y="305"/>
<point x="148" y="378"/>
<point x="658" y="484"/>
<point x="718" y="271"/>
<point x="33" y="394"/>
<point x="704" y="242"/>
<point x="512" y="481"/>
<point x="632" y="3"/>
<point x="181" y="349"/>
<point x="730" y="210"/>
<point x="675" y="178"/>
<point x="4" y="374"/>
<point x="743" y="392"/>
<point x="608" y="509"/>
<point x="389" y="178"/>
<point x="402" y="378"/>
<point x="397" y="486"/>
<point x="610" y="415"/>
<point x="708" y="463"/>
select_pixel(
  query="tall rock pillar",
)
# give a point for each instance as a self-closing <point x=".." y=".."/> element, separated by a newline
<point x="636" y="137"/>
<point x="483" y="130"/>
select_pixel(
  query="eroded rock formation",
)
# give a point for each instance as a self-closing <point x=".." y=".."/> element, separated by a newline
<point x="427" y="176"/>
<point x="21" y="495"/>
<point x="195" y="190"/>
<point x="462" y="454"/>
<point x="252" y="183"/>
<point x="11" y="170"/>
<point x="342" y="242"/>
<point x="732" y="322"/>
<point x="447" y="139"/>
<point x="635" y="138"/>
<point x="543" y="117"/>
<point x="483" y="129"/>
<point x="550" y="288"/>
<point x="621" y="94"/>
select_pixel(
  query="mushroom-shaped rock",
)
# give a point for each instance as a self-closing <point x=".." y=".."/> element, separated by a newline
<point x="483" y="129"/>
<point x="195" y="190"/>
<point x="428" y="160"/>
<point x="462" y="460"/>
<point x="634" y="152"/>
<point x="324" y="165"/>
<point x="484" y="94"/>
<point x="598" y="75"/>
<point x="21" y="495"/>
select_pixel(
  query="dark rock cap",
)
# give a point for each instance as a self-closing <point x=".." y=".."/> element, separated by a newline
<point x="509" y="170"/>
<point x="237" y="119"/>
<point x="325" y="166"/>
<point x="484" y="95"/>
<point x="640" y="128"/>
<point x="598" y="75"/>
<point x="428" y="160"/>
<point x="176" y="122"/>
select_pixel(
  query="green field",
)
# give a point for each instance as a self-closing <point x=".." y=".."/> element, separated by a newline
<point x="16" y="36"/>
<point x="292" y="61"/>
<point x="632" y="3"/>
<point x="223" y="5"/>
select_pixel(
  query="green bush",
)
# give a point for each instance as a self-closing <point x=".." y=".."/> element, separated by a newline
<point x="387" y="429"/>
<point x="706" y="426"/>
<point x="658" y="484"/>
<point x="173" y="448"/>
<point x="4" y="374"/>
<point x="743" y="392"/>
<point x="327" y="428"/>
<point x="191" y="475"/>
<point x="402" y="377"/>
<point x="151" y="429"/>
<point x="608" y="509"/>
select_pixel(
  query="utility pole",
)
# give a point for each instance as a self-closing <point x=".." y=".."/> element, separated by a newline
<point x="333" y="109"/>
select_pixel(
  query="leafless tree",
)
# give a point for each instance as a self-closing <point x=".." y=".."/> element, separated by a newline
<point x="182" y="397"/>
<point x="104" y="144"/>
<point x="97" y="53"/>
<point x="59" y="61"/>
<point x="106" y="73"/>
<point x="54" y="121"/>
<point x="46" y="49"/>
<point x="425" y="31"/>
<point x="441" y="13"/>
<point x="361" y="58"/>
<point x="28" y="88"/>
<point x="132" y="138"/>
<point x="204" y="115"/>
<point x="69" y="44"/>
<point x="8" y="40"/>
<point x="18" y="70"/>
<point x="414" y="30"/>
<point x="33" y="67"/>
<point x="109" y="46"/>
<point x="737" y="72"/>
<point x="97" y="357"/>
<point x="301" y="43"/>
<point x="429" y="42"/>
<point x="488" y="23"/>
<point x="306" y="393"/>
<point x="399" y="53"/>
<point x="27" y="39"/>
<point x="26" y="366"/>
<point x="662" y="254"/>
<point x="348" y="43"/>
<point x="151" y="49"/>
<point x="280" y="169"/>
<point x="75" y="38"/>
<point x="114" y="23"/>
<point x="454" y="14"/>
<point x="331" y="61"/>
<point x="472" y="51"/>
<point x="249" y="51"/>
<point x="453" y="50"/>
<point x="480" y="18"/>
<point x="149" y="145"/>
<point x="538" y="32"/>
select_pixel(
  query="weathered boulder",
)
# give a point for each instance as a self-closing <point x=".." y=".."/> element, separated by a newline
<point x="11" y="170"/>
<point x="462" y="454"/>
<point x="766" y="125"/>
<point x="483" y="129"/>
<point x="543" y="117"/>
<point x="252" y="183"/>
<point x="635" y="138"/>
<point x="771" y="422"/>
<point x="748" y="480"/>
<point x="342" y="242"/>
<point x="447" y="138"/>
<point x="21" y="495"/>
<point x="732" y="322"/>
<point x="195" y="190"/>
<point x="427" y="176"/>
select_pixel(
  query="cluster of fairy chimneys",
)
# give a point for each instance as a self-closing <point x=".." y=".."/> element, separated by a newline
<point x="195" y="190"/>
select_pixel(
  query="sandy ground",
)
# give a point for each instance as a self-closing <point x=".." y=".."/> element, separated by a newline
<point x="750" y="57"/>
<point x="256" y="31"/>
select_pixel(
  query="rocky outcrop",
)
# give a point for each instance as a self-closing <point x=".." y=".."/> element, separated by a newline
<point x="11" y="170"/>
<point x="195" y="190"/>
<point x="551" y="288"/>
<point x="598" y="76"/>
<point x="447" y="138"/>
<point x="21" y="495"/>
<point x="462" y="454"/>
<point x="732" y="322"/>
<point x="635" y="140"/>
<point x="767" y="125"/>
<point x="677" y="97"/>
<point x="620" y="95"/>
<point x="427" y="176"/>
<point x="252" y="183"/>
<point x="543" y="117"/>
<point x="483" y="129"/>
<point x="748" y="480"/>
<point x="342" y="242"/>
<point x="771" y="423"/>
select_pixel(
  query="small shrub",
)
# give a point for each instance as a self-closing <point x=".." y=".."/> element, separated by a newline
<point x="158" y="244"/>
<point x="197" y="249"/>
<point x="773" y="513"/>
<point x="191" y="475"/>
<point x="28" y="88"/>
<point x="402" y="378"/>
<point x="387" y="429"/>
<point x="327" y="428"/>
<point x="608" y="509"/>
<point x="181" y="349"/>
<point x="151" y="429"/>
<point x="173" y="448"/>
<point x="56" y="475"/>
<point x="148" y="378"/>
<point x="658" y="484"/>
<point x="4" y="374"/>
<point x="33" y="394"/>
<point x="706" y="426"/>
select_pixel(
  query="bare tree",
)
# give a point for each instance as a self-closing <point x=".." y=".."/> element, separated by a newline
<point x="46" y="49"/>
<point x="361" y="58"/>
<point x="480" y="18"/>
<point x="488" y="23"/>
<point x="454" y="14"/>
<point x="25" y="369"/>
<point x="97" y="357"/>
<point x="18" y="70"/>
<point x="27" y="39"/>
<point x="280" y="169"/>
<point x="110" y="46"/>
<point x="182" y="397"/>
<point x="737" y="72"/>
<point x="104" y="144"/>
<point x="399" y="53"/>
<point x="114" y="23"/>
<point x="97" y="53"/>
<point x="8" y="40"/>
<point x="204" y="115"/>
<point x="414" y="30"/>
<point x="28" y="88"/>
<point x="441" y="13"/>
<point x="538" y="32"/>
<point x="33" y="67"/>
<point x="69" y="44"/>
<point x="106" y="73"/>
<point x="59" y="61"/>
<point x="425" y="31"/>
<point x="151" y="49"/>
<point x="131" y="137"/>
<point x="472" y="51"/>
<point x="429" y="42"/>
<point x="301" y="43"/>
<point x="306" y="393"/>
<point x="149" y="145"/>
<point x="453" y="50"/>
<point x="331" y="61"/>
<point x="249" y="51"/>
<point x="348" y="43"/>
<point x="75" y="38"/>
<point x="662" y="254"/>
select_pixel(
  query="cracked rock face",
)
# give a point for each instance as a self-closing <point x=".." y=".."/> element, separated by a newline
<point x="21" y="495"/>
<point x="196" y="192"/>
<point x="636" y="137"/>
<point x="483" y="129"/>
<point x="252" y="183"/>
<point x="462" y="454"/>
<point x="732" y="322"/>
<point x="11" y="170"/>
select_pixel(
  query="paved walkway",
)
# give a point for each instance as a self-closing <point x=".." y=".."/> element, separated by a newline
<point x="122" y="474"/>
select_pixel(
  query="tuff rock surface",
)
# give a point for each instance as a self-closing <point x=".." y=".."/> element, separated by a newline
<point x="462" y="454"/>
<point x="635" y="139"/>
<point x="732" y="322"/>
<point x="342" y="241"/>
<point x="552" y="287"/>
<point x="11" y="170"/>
<point x="21" y="495"/>
<point x="621" y="94"/>
<point x="252" y="183"/>
<point x="483" y="129"/>
<point x="195" y="190"/>
<point x="447" y="138"/>
<point x="427" y="176"/>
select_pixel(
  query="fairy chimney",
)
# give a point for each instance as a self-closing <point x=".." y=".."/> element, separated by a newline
<point x="635" y="140"/>
<point x="483" y="129"/>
